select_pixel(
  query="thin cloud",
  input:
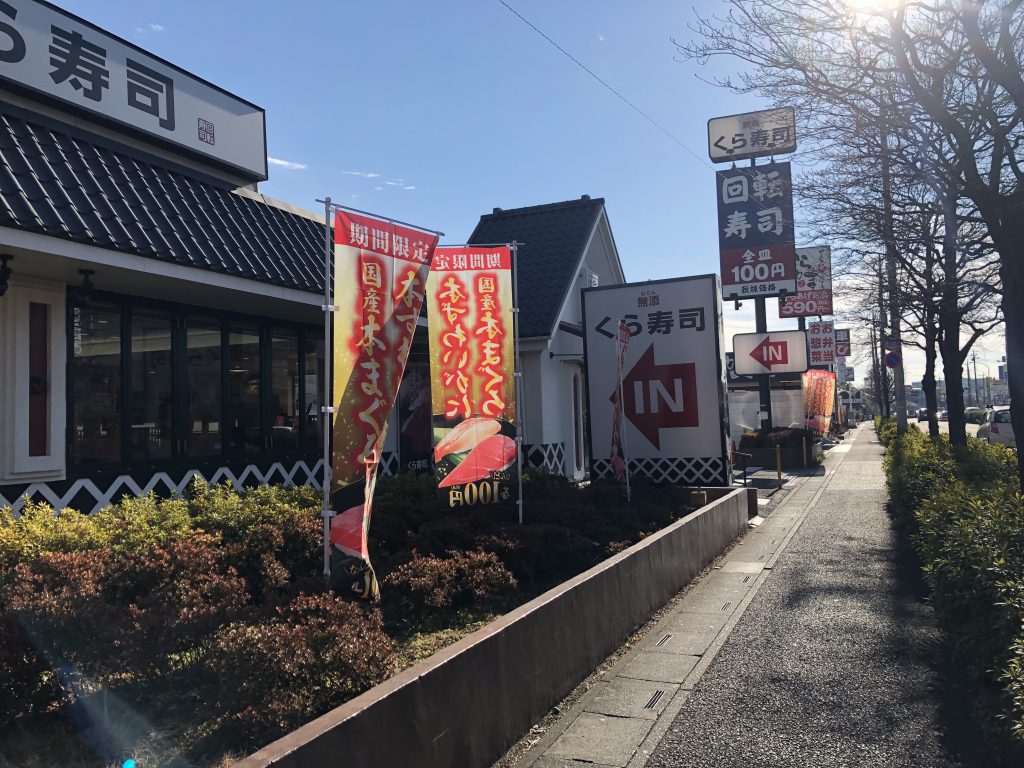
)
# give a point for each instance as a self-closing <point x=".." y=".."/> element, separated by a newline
<point x="286" y="164"/>
<point x="151" y="27"/>
<point x="409" y="187"/>
<point x="601" y="38"/>
<point x="392" y="183"/>
<point x="378" y="188"/>
<point x="364" y="174"/>
<point x="157" y="27"/>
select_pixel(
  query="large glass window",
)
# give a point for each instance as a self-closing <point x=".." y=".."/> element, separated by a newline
<point x="244" y="389"/>
<point x="203" y="382"/>
<point x="195" y="385"/>
<point x="151" y="412"/>
<point x="96" y="392"/>
<point x="285" y="407"/>
<point x="314" y="353"/>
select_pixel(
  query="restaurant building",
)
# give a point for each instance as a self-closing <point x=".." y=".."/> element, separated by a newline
<point x="160" y="319"/>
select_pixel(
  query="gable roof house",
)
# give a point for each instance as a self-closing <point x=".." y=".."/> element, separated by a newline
<point x="564" y="247"/>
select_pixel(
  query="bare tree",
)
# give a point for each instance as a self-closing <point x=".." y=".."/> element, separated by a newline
<point x="846" y="72"/>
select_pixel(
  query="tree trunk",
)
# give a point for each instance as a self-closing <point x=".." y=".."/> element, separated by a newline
<point x="891" y="255"/>
<point x="931" y="399"/>
<point x="1012" y="274"/>
<point x="949" y="326"/>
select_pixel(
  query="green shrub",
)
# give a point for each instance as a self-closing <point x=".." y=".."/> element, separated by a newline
<point x="319" y="651"/>
<point x="271" y="535"/>
<point x="965" y="517"/>
<point x="885" y="429"/>
<point x="129" y="527"/>
<point x="972" y="547"/>
<point x="27" y="681"/>
<point x="915" y="466"/>
<point x="427" y="583"/>
<point x="109" y="616"/>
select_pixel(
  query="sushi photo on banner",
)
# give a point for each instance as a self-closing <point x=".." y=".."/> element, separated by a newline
<point x="472" y="383"/>
<point x="380" y="277"/>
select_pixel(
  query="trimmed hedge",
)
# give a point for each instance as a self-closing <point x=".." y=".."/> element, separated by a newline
<point x="964" y="514"/>
<point x="213" y="604"/>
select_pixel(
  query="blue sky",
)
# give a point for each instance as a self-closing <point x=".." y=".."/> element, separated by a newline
<point x="435" y="113"/>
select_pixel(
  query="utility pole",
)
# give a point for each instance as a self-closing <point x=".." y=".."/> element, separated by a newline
<point x="764" y="380"/>
<point x="883" y="377"/>
<point x="974" y="359"/>
<point x="969" y="389"/>
<point x="890" y="269"/>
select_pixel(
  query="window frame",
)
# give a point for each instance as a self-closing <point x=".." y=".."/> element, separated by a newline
<point x="19" y="465"/>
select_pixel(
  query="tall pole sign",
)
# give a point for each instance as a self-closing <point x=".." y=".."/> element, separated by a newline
<point x="813" y="297"/>
<point x="757" y="247"/>
<point x="756" y="242"/>
<point x="752" y="134"/>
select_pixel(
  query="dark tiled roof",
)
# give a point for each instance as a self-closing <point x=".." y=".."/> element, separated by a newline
<point x="68" y="187"/>
<point x="554" y="237"/>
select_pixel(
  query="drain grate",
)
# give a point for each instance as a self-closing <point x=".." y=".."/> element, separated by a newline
<point x="653" y="702"/>
<point x="727" y="606"/>
<point x="663" y="640"/>
<point x="746" y="579"/>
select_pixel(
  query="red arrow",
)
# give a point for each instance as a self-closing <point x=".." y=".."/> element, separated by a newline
<point x="769" y="353"/>
<point x="660" y="396"/>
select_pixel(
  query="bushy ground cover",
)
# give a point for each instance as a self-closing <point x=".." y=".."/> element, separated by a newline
<point x="963" y="511"/>
<point x="181" y="630"/>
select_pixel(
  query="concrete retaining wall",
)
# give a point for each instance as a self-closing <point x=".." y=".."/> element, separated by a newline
<point x="467" y="704"/>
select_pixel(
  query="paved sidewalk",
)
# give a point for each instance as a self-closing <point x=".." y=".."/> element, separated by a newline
<point x="802" y="648"/>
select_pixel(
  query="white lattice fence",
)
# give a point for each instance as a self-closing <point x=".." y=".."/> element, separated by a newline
<point x="299" y="474"/>
<point x="695" y="471"/>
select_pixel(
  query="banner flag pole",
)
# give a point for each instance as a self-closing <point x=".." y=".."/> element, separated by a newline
<point x="325" y="410"/>
<point x="518" y="375"/>
<point x="622" y="415"/>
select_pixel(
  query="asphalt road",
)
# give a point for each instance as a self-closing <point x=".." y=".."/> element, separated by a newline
<point x="832" y="662"/>
<point x="972" y="429"/>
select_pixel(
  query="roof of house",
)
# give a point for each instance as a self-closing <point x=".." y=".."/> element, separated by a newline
<point x="72" y="187"/>
<point x="554" y="237"/>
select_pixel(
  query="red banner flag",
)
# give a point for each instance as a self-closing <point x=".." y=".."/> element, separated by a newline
<point x="380" y="274"/>
<point x="819" y="390"/>
<point x="472" y="371"/>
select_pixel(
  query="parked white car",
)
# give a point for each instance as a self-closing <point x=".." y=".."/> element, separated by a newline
<point x="997" y="429"/>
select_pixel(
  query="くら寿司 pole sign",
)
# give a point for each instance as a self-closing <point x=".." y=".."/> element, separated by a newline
<point x="756" y="242"/>
<point x="752" y="134"/>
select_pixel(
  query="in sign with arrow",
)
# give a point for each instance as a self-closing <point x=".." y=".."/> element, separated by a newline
<point x="660" y="396"/>
<point x="769" y="353"/>
<point x="774" y="352"/>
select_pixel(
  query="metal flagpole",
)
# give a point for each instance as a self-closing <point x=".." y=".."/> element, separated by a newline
<point x="518" y="374"/>
<point x="622" y="418"/>
<point x="327" y="410"/>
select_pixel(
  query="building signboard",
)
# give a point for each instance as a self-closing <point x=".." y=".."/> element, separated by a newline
<point x="53" y="53"/>
<point x="673" y="383"/>
<point x="752" y="134"/>
<point x="842" y="342"/>
<point x="755" y="231"/>
<point x="821" y="341"/>
<point x="813" y="296"/>
<point x="774" y="352"/>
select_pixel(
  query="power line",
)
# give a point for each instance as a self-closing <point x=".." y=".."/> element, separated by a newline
<point x="626" y="101"/>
